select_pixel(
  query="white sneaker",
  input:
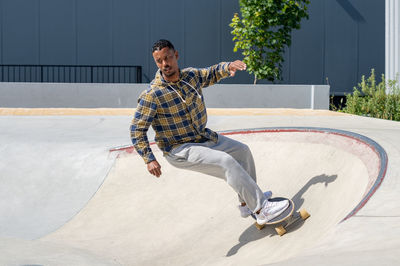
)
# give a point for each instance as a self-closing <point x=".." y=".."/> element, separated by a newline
<point x="270" y="210"/>
<point x="246" y="212"/>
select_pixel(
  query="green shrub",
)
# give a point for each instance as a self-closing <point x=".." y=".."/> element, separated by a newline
<point x="379" y="100"/>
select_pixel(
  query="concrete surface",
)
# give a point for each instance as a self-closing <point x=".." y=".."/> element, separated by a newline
<point x="81" y="95"/>
<point x="92" y="208"/>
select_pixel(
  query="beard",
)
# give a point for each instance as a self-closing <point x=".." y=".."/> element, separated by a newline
<point x="168" y="74"/>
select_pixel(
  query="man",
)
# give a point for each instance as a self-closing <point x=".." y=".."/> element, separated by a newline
<point x="174" y="106"/>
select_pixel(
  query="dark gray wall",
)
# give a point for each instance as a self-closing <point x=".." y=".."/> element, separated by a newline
<point x="342" y="40"/>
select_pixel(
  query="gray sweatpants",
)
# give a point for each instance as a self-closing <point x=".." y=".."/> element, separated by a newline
<point x="228" y="159"/>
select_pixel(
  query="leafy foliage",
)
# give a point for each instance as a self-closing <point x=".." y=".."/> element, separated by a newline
<point x="380" y="100"/>
<point x="264" y="31"/>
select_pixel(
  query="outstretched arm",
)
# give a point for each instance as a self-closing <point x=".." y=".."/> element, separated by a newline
<point x="213" y="74"/>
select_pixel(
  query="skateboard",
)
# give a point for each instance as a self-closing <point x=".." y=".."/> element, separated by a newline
<point x="285" y="219"/>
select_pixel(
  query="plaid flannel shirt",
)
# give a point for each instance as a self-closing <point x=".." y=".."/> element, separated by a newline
<point x="176" y="111"/>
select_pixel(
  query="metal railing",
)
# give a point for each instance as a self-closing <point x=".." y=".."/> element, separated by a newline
<point x="71" y="73"/>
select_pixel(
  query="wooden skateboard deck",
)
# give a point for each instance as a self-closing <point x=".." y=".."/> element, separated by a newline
<point x="285" y="219"/>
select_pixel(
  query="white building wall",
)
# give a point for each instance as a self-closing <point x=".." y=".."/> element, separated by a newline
<point x="392" y="32"/>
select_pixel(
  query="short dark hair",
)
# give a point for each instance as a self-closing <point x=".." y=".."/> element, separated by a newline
<point x="160" y="44"/>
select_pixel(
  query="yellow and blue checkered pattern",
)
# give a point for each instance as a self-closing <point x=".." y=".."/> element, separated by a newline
<point x="176" y="111"/>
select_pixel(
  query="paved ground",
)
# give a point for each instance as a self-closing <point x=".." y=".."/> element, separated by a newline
<point x="66" y="200"/>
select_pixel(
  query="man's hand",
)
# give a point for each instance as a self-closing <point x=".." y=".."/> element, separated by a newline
<point x="236" y="65"/>
<point x="154" y="168"/>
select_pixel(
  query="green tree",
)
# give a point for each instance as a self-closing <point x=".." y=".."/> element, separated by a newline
<point x="264" y="31"/>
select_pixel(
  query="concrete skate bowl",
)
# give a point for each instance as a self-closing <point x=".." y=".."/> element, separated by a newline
<point x="187" y="218"/>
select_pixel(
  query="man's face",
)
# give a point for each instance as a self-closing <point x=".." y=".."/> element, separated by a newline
<point x="167" y="61"/>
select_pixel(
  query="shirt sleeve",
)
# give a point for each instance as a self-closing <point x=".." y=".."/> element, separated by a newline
<point x="211" y="75"/>
<point x="144" y="115"/>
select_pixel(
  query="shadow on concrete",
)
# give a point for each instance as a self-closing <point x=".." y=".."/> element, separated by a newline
<point x="253" y="234"/>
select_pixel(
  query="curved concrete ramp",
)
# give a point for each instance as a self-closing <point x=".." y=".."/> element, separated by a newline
<point x="187" y="218"/>
<point x="49" y="170"/>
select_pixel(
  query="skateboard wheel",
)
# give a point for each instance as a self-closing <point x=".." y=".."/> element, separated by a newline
<point x="259" y="226"/>
<point x="304" y="214"/>
<point x="280" y="230"/>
